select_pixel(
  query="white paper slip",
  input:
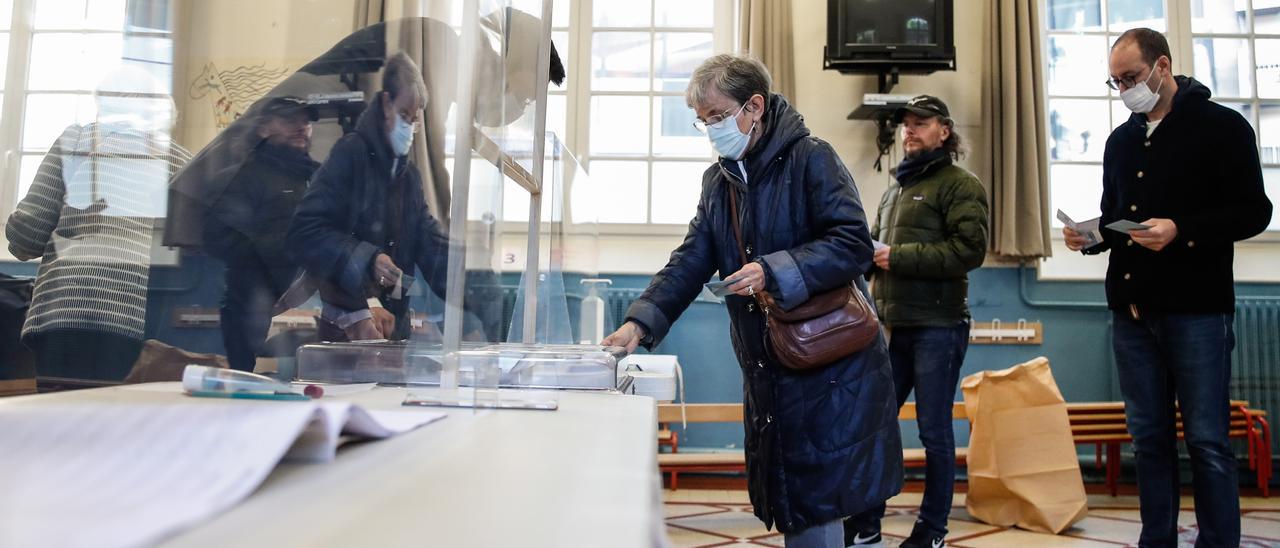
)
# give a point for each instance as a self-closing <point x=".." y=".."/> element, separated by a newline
<point x="130" y="468"/>
<point x="1089" y="229"/>
<point x="1124" y="226"/>
<point x="877" y="245"/>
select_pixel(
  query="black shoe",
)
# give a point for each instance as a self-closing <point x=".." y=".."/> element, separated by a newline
<point x="924" y="539"/>
<point x="861" y="535"/>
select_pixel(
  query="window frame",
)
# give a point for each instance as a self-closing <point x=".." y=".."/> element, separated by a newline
<point x="16" y="93"/>
<point x="579" y="95"/>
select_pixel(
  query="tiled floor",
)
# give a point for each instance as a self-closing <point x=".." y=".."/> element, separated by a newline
<point x="706" y="518"/>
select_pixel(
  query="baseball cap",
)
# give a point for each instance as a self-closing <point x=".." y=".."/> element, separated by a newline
<point x="927" y="106"/>
<point x="287" y="105"/>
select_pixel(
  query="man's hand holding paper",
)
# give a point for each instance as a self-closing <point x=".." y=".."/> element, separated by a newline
<point x="1080" y="235"/>
<point x="1155" y="238"/>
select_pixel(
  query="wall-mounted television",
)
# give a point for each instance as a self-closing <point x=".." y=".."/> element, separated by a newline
<point x="873" y="36"/>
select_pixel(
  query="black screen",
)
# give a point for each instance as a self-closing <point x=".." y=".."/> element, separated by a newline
<point x="869" y="22"/>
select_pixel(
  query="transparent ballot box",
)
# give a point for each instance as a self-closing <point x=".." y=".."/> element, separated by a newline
<point x="508" y="365"/>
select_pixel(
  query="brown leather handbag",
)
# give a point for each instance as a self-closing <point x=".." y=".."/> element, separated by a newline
<point x="823" y="329"/>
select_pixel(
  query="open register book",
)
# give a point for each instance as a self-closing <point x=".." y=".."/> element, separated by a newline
<point x="130" y="466"/>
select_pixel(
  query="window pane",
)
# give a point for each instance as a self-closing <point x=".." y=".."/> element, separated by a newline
<point x="515" y="202"/>
<point x="675" y="134"/>
<point x="79" y="14"/>
<point x="1267" y="22"/>
<point x="1076" y="190"/>
<point x="675" y="55"/>
<point x="1223" y="65"/>
<point x="1128" y="14"/>
<point x="1268" y="68"/>
<point x="619" y="125"/>
<point x="6" y="13"/>
<point x="1077" y="129"/>
<point x="631" y="13"/>
<point x="47" y="116"/>
<point x="72" y="61"/>
<point x="27" y="173"/>
<point x="105" y="14"/>
<point x="59" y="14"/>
<point x="560" y="14"/>
<point x="1222" y="16"/>
<point x="620" y="61"/>
<point x="1271" y="180"/>
<point x="676" y="188"/>
<point x="1078" y="65"/>
<point x="1075" y="15"/>
<point x="556" y="115"/>
<point x="1269" y="135"/>
<point x="683" y="13"/>
<point x="1119" y="114"/>
<point x="622" y="191"/>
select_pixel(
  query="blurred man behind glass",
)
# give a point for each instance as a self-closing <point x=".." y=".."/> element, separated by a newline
<point x="246" y="226"/>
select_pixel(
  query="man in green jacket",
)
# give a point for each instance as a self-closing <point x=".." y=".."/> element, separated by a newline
<point x="930" y="231"/>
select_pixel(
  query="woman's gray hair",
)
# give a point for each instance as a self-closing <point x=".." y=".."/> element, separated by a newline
<point x="402" y="75"/>
<point x="735" y="76"/>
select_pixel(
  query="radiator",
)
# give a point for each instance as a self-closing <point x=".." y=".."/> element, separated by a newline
<point x="616" y="302"/>
<point x="1255" y="373"/>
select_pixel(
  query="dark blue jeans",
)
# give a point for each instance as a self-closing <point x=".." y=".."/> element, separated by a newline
<point x="246" y="315"/>
<point x="1187" y="357"/>
<point x="928" y="360"/>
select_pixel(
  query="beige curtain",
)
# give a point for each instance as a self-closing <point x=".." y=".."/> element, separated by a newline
<point x="368" y="12"/>
<point x="765" y="32"/>
<point x="1014" y="107"/>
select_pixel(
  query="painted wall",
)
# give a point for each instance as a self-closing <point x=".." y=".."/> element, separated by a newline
<point x="266" y="41"/>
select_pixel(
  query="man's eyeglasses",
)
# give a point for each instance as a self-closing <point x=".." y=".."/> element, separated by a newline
<point x="411" y="117"/>
<point x="1126" y="81"/>
<point x="717" y="120"/>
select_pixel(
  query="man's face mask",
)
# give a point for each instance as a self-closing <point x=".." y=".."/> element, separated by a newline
<point x="727" y="139"/>
<point x="401" y="136"/>
<point x="1140" y="98"/>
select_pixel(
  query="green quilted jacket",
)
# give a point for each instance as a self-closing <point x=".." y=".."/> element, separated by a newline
<point x="936" y="228"/>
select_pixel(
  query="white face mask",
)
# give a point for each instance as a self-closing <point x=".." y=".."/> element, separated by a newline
<point x="1140" y="98"/>
<point x="401" y="136"/>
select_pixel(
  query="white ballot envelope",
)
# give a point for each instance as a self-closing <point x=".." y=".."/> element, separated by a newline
<point x="1089" y="229"/>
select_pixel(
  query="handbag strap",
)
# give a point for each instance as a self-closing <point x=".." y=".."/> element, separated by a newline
<point x="737" y="224"/>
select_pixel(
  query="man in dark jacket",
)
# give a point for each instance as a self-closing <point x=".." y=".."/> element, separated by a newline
<point x="363" y="225"/>
<point x="245" y="227"/>
<point x="820" y="444"/>
<point x="1187" y="168"/>
<point x="931" y="230"/>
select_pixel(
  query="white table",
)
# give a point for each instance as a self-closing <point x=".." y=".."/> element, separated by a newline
<point x="584" y="475"/>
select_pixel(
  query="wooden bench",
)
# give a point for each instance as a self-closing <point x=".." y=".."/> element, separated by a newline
<point x="1103" y="425"/>
<point x="735" y="461"/>
<point x="1099" y="423"/>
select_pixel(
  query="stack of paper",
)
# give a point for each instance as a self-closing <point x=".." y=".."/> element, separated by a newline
<point x="126" y="471"/>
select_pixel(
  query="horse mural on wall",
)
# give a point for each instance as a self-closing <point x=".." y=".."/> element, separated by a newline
<point x="232" y="91"/>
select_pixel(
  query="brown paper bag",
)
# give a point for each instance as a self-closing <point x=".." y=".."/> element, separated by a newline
<point x="1023" y="468"/>
<point x="160" y="362"/>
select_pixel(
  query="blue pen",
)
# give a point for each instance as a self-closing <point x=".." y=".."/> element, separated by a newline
<point x="214" y="382"/>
